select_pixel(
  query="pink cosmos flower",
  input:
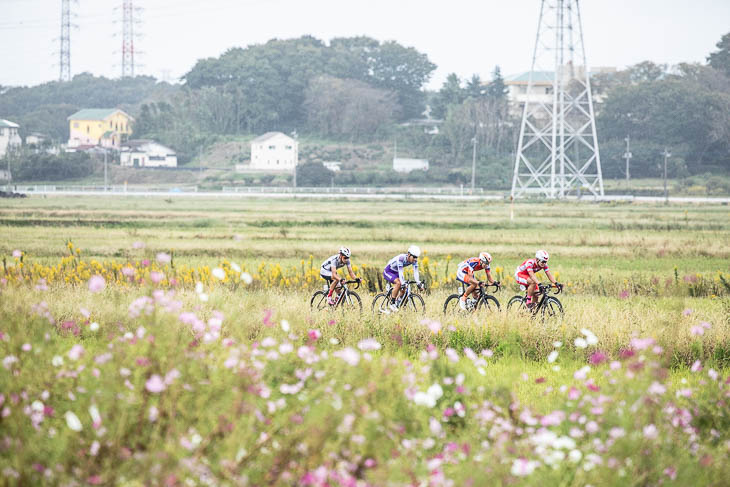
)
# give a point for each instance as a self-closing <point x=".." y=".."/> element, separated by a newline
<point x="642" y="343"/>
<point x="76" y="352"/>
<point x="155" y="384"/>
<point x="650" y="432"/>
<point x="138" y="245"/>
<point x="156" y="277"/>
<point x="687" y="312"/>
<point x="349" y="355"/>
<point x="597" y="357"/>
<point x="96" y="283"/>
<point x="128" y="271"/>
<point x="163" y="258"/>
<point x="17" y="254"/>
<point x="670" y="472"/>
<point x="697" y="366"/>
<point x="697" y="331"/>
<point x="432" y="325"/>
<point x="314" y="334"/>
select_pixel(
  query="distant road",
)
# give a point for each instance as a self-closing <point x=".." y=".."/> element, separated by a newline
<point x="344" y="193"/>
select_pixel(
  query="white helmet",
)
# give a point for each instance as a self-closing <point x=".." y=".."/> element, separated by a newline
<point x="485" y="258"/>
<point x="345" y="251"/>
<point x="414" y="250"/>
<point x="542" y="256"/>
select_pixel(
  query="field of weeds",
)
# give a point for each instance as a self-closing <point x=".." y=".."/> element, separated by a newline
<point x="153" y="341"/>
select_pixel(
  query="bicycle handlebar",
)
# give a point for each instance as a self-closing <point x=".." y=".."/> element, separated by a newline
<point x="353" y="281"/>
<point x="545" y="287"/>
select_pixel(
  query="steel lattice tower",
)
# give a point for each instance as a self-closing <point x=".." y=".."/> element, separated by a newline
<point x="65" y="53"/>
<point x="558" y="146"/>
<point x="128" y="38"/>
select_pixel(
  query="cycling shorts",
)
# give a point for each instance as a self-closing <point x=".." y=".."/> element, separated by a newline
<point x="464" y="271"/>
<point x="390" y="275"/>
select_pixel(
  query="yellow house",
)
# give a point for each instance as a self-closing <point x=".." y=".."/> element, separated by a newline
<point x="106" y="127"/>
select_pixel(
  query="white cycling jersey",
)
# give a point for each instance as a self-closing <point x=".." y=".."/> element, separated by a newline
<point x="337" y="261"/>
<point x="397" y="264"/>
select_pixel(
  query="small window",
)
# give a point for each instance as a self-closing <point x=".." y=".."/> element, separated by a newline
<point x="272" y="147"/>
<point x="88" y="129"/>
<point x="288" y="147"/>
<point x="76" y="125"/>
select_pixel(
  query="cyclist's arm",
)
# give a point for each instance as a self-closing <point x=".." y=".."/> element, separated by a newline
<point x="352" y="274"/>
<point x="532" y="275"/>
<point x="415" y="271"/>
<point x="550" y="276"/>
<point x="489" y="276"/>
<point x="400" y="272"/>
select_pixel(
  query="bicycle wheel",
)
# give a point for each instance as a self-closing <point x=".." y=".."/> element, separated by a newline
<point x="380" y="302"/>
<point x="516" y="303"/>
<point x="319" y="301"/>
<point x="351" y="302"/>
<point x="416" y="303"/>
<point x="552" y="308"/>
<point x="451" y="306"/>
<point x="488" y="303"/>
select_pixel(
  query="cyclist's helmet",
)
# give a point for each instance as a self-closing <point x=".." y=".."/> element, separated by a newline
<point x="485" y="258"/>
<point x="542" y="256"/>
<point x="345" y="252"/>
<point x="414" y="250"/>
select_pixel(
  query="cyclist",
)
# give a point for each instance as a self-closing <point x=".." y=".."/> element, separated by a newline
<point x="393" y="273"/>
<point x="328" y="271"/>
<point x="465" y="274"/>
<point x="526" y="274"/>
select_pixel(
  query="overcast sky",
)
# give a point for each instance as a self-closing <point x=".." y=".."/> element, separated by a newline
<point x="465" y="37"/>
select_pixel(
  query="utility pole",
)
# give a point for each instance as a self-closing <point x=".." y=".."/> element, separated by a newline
<point x="105" y="178"/>
<point x="627" y="156"/>
<point x="666" y="155"/>
<point x="473" y="161"/>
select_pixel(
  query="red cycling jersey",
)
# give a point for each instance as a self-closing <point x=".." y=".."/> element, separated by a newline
<point x="529" y="264"/>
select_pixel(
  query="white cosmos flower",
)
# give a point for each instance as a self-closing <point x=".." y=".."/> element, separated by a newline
<point x="553" y="356"/>
<point x="285" y="326"/>
<point x="94" y="326"/>
<point x="246" y="277"/>
<point x="236" y="267"/>
<point x="581" y="342"/>
<point x="73" y="421"/>
<point x="219" y="273"/>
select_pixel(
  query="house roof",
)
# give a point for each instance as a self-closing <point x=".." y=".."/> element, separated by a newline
<point x="137" y="145"/>
<point x="8" y="124"/>
<point x="537" y="77"/>
<point x="269" y="135"/>
<point x="96" y="114"/>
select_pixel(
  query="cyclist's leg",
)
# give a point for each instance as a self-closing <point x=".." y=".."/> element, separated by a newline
<point x="392" y="277"/>
<point x="330" y="283"/>
<point x="333" y="285"/>
<point x="527" y="283"/>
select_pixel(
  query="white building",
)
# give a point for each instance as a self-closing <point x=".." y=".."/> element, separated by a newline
<point x="274" y="151"/>
<point x="404" y="165"/>
<point x="542" y="85"/>
<point x="9" y="137"/>
<point x="146" y="153"/>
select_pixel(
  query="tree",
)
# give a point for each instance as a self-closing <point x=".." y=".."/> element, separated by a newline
<point x="496" y="88"/>
<point x="345" y="107"/>
<point x="647" y="71"/>
<point x="313" y="174"/>
<point x="451" y="93"/>
<point x="49" y="167"/>
<point x="720" y="59"/>
<point x="475" y="88"/>
<point x="404" y="71"/>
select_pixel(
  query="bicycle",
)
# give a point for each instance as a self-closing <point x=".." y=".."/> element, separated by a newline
<point x="483" y="301"/>
<point x="411" y="300"/>
<point x="548" y="306"/>
<point x="347" y="299"/>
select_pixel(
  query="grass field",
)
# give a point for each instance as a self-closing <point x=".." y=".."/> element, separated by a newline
<point x="144" y="378"/>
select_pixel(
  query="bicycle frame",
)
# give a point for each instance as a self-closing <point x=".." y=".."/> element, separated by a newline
<point x="345" y="291"/>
